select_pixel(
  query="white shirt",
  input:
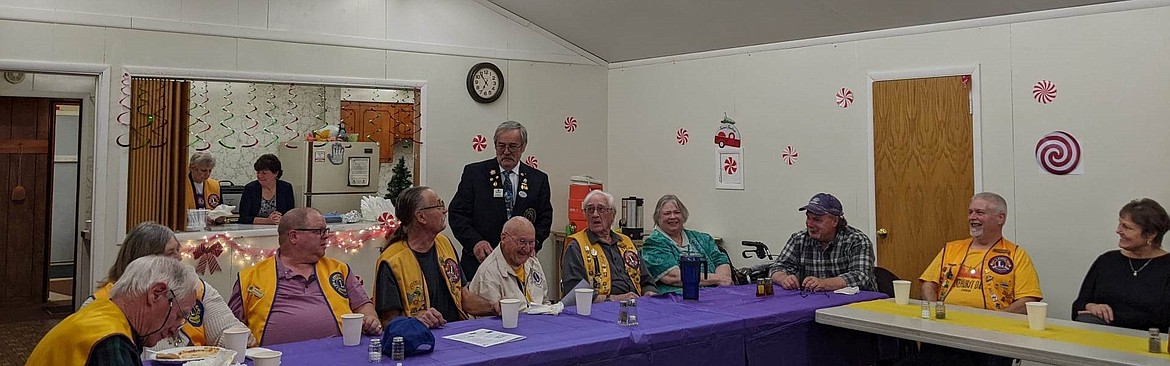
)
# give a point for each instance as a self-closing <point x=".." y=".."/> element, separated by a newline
<point x="496" y="280"/>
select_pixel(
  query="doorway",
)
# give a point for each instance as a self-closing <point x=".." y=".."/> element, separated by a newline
<point x="924" y="168"/>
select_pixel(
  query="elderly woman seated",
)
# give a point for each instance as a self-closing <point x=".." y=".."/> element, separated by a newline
<point x="670" y="240"/>
<point x="1130" y="287"/>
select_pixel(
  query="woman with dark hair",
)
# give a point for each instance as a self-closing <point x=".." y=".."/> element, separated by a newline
<point x="208" y="318"/>
<point x="1130" y="287"/>
<point x="267" y="198"/>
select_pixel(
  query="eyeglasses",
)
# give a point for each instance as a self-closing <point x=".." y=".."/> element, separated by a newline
<point x="440" y="205"/>
<point x="589" y="210"/>
<point x="525" y="242"/>
<point x="804" y="292"/>
<point x="508" y="147"/>
<point x="183" y="315"/>
<point x="319" y="232"/>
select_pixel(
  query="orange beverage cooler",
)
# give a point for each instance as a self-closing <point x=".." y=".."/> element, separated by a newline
<point x="579" y="186"/>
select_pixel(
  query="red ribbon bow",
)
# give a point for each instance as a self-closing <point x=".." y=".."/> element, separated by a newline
<point x="206" y="257"/>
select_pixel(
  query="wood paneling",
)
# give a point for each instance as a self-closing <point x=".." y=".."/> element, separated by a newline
<point x="384" y="123"/>
<point x="159" y="122"/>
<point x="923" y="169"/>
<point x="25" y="225"/>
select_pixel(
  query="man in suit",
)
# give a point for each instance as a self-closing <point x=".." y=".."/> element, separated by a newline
<point x="495" y="190"/>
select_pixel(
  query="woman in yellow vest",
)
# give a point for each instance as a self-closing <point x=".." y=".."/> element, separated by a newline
<point x="208" y="318"/>
<point x="204" y="191"/>
<point x="418" y="272"/>
<point x="609" y="262"/>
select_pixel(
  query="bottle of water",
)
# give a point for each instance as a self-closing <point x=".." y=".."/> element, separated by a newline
<point x="375" y="350"/>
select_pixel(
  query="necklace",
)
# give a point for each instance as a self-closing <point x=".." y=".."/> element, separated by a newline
<point x="1135" y="271"/>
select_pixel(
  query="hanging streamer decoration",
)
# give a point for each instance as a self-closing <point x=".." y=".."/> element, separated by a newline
<point x="199" y="102"/>
<point x="123" y="140"/>
<point x="224" y="122"/>
<point x="295" y="119"/>
<point x="270" y="117"/>
<point x="158" y="130"/>
<point x="252" y="122"/>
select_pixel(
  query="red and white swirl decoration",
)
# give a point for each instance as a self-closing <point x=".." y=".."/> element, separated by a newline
<point x="730" y="166"/>
<point x="682" y="136"/>
<point x="789" y="155"/>
<point x="570" y="124"/>
<point x="531" y="161"/>
<point x="478" y="143"/>
<point x="1058" y="153"/>
<point x="1044" y="92"/>
<point x="844" y="97"/>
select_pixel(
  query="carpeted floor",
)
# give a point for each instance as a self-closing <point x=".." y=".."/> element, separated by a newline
<point x="18" y="339"/>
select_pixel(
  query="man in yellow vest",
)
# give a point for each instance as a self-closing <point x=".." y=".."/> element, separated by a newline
<point x="607" y="260"/>
<point x="984" y="271"/>
<point x="418" y="272"/>
<point x="300" y="294"/>
<point x="149" y="302"/>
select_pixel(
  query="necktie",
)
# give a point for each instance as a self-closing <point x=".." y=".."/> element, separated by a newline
<point x="509" y="197"/>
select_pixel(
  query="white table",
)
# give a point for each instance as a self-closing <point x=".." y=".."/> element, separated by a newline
<point x="986" y="341"/>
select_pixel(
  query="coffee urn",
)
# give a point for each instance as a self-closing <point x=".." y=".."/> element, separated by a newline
<point x="631" y="222"/>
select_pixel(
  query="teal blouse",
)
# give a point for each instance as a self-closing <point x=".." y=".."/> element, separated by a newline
<point x="661" y="255"/>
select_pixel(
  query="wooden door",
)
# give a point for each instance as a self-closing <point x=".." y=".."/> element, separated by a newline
<point x="923" y="170"/>
<point x="26" y="133"/>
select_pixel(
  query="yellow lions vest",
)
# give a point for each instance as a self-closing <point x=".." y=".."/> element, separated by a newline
<point x="412" y="287"/>
<point x="258" y="289"/>
<point x="211" y="194"/>
<point x="193" y="328"/>
<point x="593" y="256"/>
<point x="995" y="267"/>
<point x="71" y="341"/>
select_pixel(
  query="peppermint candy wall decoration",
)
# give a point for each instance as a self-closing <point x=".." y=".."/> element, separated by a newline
<point x="478" y="143"/>
<point x="1044" y="92"/>
<point x="789" y="155"/>
<point x="682" y="136"/>
<point x="531" y="161"/>
<point x="844" y="97"/>
<point x="570" y="124"/>
<point x="1059" y="153"/>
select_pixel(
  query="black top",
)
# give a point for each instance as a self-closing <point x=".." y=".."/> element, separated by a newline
<point x="387" y="297"/>
<point x="250" y="200"/>
<point x="115" y="350"/>
<point x="574" y="268"/>
<point x="476" y="213"/>
<point x="1139" y="302"/>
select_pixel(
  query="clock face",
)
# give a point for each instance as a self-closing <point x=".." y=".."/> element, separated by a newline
<point x="485" y="82"/>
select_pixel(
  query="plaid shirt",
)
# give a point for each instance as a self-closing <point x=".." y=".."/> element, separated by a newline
<point x="849" y="255"/>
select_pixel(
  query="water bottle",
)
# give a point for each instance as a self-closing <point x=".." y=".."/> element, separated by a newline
<point x="375" y="350"/>
<point x="398" y="349"/>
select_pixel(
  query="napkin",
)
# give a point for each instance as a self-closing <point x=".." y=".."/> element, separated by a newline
<point x="223" y="358"/>
<point x="851" y="290"/>
<point x="220" y="211"/>
<point x="537" y="309"/>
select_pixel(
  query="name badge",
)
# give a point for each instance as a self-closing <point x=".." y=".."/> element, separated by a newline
<point x="255" y="291"/>
<point x="498" y="192"/>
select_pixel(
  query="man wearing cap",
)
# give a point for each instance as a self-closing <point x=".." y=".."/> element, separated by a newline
<point x="828" y="254"/>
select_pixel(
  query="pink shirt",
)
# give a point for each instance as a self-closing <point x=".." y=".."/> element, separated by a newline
<point x="300" y="311"/>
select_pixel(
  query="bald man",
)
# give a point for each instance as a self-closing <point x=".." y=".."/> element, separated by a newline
<point x="512" y="271"/>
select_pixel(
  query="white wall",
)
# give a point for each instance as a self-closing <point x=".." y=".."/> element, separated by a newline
<point x="359" y="41"/>
<point x="1112" y="96"/>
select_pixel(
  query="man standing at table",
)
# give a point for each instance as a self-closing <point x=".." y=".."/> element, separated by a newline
<point x="300" y="294"/>
<point x="828" y="254"/>
<point x="608" y="261"/>
<point x="984" y="271"/>
<point x="495" y="190"/>
<point x="512" y="271"/>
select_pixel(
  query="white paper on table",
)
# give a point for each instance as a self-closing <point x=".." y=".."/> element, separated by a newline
<point x="851" y="290"/>
<point x="485" y="337"/>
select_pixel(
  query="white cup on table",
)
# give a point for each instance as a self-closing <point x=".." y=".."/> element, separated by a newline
<point x="266" y="358"/>
<point x="510" y="312"/>
<point x="584" y="301"/>
<point x="236" y="339"/>
<point x="901" y="292"/>
<point x="1037" y="313"/>
<point x="351" y="329"/>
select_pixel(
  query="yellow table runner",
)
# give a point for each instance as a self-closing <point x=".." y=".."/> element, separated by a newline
<point x="1084" y="337"/>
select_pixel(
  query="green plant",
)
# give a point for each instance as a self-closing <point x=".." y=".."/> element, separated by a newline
<point x="399" y="181"/>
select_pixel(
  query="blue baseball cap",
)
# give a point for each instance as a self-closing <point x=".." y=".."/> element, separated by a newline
<point x="416" y="338"/>
<point x="824" y="203"/>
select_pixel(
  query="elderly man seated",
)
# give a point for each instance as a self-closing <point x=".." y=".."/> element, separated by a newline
<point x="418" y="272"/>
<point x="607" y="261"/>
<point x="512" y="270"/>
<point x="149" y="302"/>
<point x="299" y="293"/>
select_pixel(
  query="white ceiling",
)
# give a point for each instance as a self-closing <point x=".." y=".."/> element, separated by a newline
<point x="626" y="30"/>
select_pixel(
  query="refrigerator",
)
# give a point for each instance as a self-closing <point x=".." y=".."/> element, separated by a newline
<point x="331" y="176"/>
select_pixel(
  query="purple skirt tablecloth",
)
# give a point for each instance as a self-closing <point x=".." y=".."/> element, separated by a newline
<point x="727" y="326"/>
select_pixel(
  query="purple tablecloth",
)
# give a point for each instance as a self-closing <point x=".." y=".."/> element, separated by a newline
<point x="727" y="326"/>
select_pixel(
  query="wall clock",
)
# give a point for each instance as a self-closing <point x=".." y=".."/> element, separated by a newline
<point x="485" y="82"/>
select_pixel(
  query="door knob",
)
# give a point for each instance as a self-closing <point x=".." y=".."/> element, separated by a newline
<point x="882" y="233"/>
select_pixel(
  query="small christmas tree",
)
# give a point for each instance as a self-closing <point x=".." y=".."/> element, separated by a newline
<point x="399" y="181"/>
